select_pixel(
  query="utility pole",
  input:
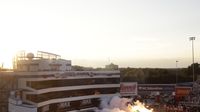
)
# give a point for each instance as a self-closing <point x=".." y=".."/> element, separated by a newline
<point x="176" y="72"/>
<point x="192" y="39"/>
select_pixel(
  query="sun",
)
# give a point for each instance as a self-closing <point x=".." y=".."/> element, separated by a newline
<point x="6" y="58"/>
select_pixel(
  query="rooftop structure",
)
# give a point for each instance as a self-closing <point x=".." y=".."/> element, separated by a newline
<point x="43" y="61"/>
<point x="44" y="83"/>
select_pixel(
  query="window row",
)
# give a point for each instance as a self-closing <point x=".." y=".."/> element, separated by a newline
<point x="71" y="93"/>
<point x="71" y="82"/>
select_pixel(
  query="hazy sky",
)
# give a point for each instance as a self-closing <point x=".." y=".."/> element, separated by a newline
<point x="136" y="33"/>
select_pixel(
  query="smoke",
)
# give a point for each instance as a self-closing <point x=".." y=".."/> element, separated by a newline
<point x="112" y="110"/>
<point x="116" y="104"/>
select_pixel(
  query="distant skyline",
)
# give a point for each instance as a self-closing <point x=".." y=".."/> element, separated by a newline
<point x="134" y="33"/>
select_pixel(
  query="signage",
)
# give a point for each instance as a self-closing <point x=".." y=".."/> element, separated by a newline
<point x="155" y="87"/>
<point x="63" y="105"/>
<point x="128" y="88"/>
<point x="183" y="91"/>
<point x="86" y="102"/>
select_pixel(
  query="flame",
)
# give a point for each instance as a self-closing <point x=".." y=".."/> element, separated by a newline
<point x="138" y="107"/>
<point x="117" y="104"/>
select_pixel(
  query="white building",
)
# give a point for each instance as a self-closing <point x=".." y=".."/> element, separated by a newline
<point x="45" y="83"/>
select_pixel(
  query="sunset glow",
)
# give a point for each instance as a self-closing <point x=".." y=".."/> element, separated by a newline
<point x="94" y="33"/>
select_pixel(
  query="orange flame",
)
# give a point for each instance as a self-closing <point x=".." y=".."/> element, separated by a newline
<point x="138" y="107"/>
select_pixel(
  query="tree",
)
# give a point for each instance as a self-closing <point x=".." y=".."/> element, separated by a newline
<point x="196" y="70"/>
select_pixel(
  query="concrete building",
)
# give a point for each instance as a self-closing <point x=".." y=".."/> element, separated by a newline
<point x="46" y="83"/>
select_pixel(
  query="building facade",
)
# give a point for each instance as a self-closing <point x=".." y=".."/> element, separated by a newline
<point x="46" y="83"/>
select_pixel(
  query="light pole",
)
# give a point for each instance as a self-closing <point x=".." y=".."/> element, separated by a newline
<point x="176" y="72"/>
<point x="192" y="39"/>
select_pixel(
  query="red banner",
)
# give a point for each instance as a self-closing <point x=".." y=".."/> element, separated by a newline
<point x="128" y="88"/>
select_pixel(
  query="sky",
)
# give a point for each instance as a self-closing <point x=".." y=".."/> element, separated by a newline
<point x="93" y="33"/>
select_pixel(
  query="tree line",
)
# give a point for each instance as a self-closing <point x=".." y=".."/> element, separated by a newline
<point x="160" y="75"/>
<point x="153" y="75"/>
